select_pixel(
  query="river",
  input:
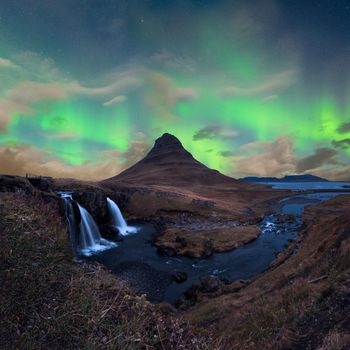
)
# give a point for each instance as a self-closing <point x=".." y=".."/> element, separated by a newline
<point x="136" y="261"/>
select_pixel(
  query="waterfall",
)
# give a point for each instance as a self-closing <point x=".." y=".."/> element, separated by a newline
<point x="118" y="220"/>
<point x="72" y="222"/>
<point x="90" y="238"/>
<point x="85" y="238"/>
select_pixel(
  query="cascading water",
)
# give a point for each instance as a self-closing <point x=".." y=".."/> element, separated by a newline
<point x="72" y="222"/>
<point x="90" y="238"/>
<point x="118" y="220"/>
<point x="85" y="237"/>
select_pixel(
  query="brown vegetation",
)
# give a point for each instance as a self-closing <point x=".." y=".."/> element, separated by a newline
<point x="49" y="302"/>
<point x="202" y="243"/>
<point x="303" y="303"/>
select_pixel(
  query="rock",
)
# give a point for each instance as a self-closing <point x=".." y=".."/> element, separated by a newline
<point x="179" y="276"/>
<point x="209" y="284"/>
<point x="208" y="249"/>
<point x="203" y="203"/>
<point x="181" y="241"/>
<point x="111" y="232"/>
<point x="165" y="251"/>
<point x="204" y="242"/>
<point x="166" y="308"/>
<point x="236" y="286"/>
<point x="95" y="202"/>
<point x="183" y="303"/>
<point x="206" y="285"/>
<point x="9" y="183"/>
<point x="225" y="280"/>
<point x="192" y="292"/>
<point x="285" y="218"/>
<point x="42" y="183"/>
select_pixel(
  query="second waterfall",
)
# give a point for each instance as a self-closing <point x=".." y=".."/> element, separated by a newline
<point x="117" y="219"/>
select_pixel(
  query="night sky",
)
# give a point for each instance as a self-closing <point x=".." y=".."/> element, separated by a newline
<point x="249" y="87"/>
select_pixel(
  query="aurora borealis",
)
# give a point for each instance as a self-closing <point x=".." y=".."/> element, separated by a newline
<point x="249" y="87"/>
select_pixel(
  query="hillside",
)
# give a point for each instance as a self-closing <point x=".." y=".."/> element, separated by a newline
<point x="288" y="178"/>
<point x="170" y="168"/>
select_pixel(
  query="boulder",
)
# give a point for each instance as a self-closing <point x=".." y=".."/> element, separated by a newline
<point x="209" y="284"/>
<point x="179" y="276"/>
<point x="165" y="251"/>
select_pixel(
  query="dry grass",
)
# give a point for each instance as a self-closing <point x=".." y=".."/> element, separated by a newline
<point x="48" y="302"/>
<point x="335" y="341"/>
<point x="299" y="304"/>
<point x="198" y="243"/>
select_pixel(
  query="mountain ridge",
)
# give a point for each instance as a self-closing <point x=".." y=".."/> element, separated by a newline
<point x="287" y="178"/>
<point x="169" y="163"/>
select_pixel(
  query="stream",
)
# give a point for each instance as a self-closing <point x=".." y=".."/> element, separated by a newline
<point x="137" y="262"/>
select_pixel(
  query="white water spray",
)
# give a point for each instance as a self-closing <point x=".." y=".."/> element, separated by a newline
<point x="90" y="238"/>
<point x="118" y="220"/>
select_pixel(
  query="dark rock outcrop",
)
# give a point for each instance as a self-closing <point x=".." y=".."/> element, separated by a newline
<point x="179" y="276"/>
<point x="10" y="183"/>
<point x="95" y="202"/>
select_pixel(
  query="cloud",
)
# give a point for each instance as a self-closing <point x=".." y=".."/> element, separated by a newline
<point x="251" y="18"/>
<point x="321" y="156"/>
<point x="138" y="148"/>
<point x="5" y="63"/>
<point x="163" y="95"/>
<point x="168" y="60"/>
<point x="114" y="101"/>
<point x="123" y="83"/>
<point x="39" y="80"/>
<point x="341" y="173"/>
<point x="270" y="98"/>
<point x="65" y="136"/>
<point x="344" y="128"/>
<point x="37" y="67"/>
<point x="21" y="159"/>
<point x="168" y="92"/>
<point x="345" y="143"/>
<point x="20" y="99"/>
<point x="274" y="83"/>
<point x="269" y="158"/>
<point x="214" y="132"/>
<point x="31" y="92"/>
<point x="276" y="158"/>
<point x="226" y="154"/>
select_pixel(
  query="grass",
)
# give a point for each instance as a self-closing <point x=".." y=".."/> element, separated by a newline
<point x="303" y="303"/>
<point x="49" y="302"/>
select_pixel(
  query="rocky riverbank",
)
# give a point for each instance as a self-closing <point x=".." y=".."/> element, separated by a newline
<point x="300" y="302"/>
<point x="202" y="243"/>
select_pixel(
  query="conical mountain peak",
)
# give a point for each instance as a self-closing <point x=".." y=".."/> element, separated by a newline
<point x="169" y="163"/>
<point x="167" y="144"/>
<point x="167" y="138"/>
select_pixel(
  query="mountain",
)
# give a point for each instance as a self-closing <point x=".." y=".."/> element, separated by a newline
<point x="288" y="178"/>
<point x="170" y="179"/>
<point x="173" y="189"/>
<point x="169" y="163"/>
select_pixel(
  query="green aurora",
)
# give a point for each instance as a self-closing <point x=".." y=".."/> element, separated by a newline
<point x="225" y="94"/>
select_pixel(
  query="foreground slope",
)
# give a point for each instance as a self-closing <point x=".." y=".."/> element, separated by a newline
<point x="48" y="302"/>
<point x="302" y="301"/>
